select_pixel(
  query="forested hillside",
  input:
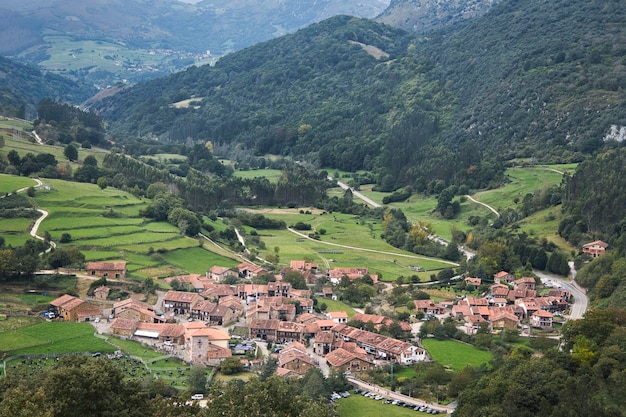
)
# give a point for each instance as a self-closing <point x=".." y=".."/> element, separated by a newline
<point x="595" y="208"/>
<point x="22" y="87"/>
<point x="527" y="80"/>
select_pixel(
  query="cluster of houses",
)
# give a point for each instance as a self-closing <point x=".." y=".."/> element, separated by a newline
<point x="506" y="304"/>
<point x="189" y="323"/>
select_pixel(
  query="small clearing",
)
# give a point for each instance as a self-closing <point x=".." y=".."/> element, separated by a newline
<point x="372" y="50"/>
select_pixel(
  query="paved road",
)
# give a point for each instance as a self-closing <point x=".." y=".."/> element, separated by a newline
<point x="357" y="194"/>
<point x="581" y="301"/>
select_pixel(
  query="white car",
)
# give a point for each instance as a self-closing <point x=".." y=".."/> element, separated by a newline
<point x="197" y="397"/>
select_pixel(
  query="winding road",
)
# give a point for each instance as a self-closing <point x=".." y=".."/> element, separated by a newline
<point x="44" y="214"/>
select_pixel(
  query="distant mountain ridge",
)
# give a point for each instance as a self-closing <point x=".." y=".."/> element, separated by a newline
<point x="522" y="81"/>
<point x="144" y="35"/>
<point x="427" y="15"/>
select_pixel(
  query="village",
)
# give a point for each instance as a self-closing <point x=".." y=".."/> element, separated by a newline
<point x="195" y="325"/>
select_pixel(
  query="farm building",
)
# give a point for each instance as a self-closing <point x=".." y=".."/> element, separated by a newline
<point x="115" y="270"/>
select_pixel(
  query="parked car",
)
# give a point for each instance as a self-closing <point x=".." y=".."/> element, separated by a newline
<point x="197" y="397"/>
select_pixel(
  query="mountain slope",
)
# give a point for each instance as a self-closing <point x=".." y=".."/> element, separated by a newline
<point x="22" y="87"/>
<point x="140" y="39"/>
<point x="528" y="79"/>
<point x="426" y="15"/>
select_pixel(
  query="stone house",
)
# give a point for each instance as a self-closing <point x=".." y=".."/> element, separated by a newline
<point x="115" y="270"/>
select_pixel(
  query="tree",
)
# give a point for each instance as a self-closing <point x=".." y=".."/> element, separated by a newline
<point x="102" y="183"/>
<point x="90" y="160"/>
<point x="296" y="279"/>
<point x="268" y="368"/>
<point x="231" y="365"/>
<point x="272" y="397"/>
<point x="63" y="390"/>
<point x="197" y="380"/>
<point x="70" y="152"/>
<point x="313" y="385"/>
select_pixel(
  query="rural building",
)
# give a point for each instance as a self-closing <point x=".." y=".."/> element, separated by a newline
<point x="219" y="273"/>
<point x="503" y="277"/>
<point x="115" y="270"/>
<point x="70" y="308"/>
<point x="339" y="317"/>
<point x="101" y="293"/>
<point x="346" y="361"/>
<point x="595" y="248"/>
<point x="295" y="358"/>
<point x="180" y="302"/>
<point x="542" y="319"/>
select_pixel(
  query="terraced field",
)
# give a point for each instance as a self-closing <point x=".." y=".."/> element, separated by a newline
<point x="105" y="225"/>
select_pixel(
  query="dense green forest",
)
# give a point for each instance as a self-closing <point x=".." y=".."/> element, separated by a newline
<point x="527" y="80"/>
<point x="23" y="87"/>
<point x="595" y="208"/>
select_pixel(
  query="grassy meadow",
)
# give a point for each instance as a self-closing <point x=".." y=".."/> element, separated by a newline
<point x="271" y="174"/>
<point x="454" y="354"/>
<point x="348" y="242"/>
<point x="43" y="337"/>
<point x="332" y="305"/>
<point x="105" y="225"/>
<point x="10" y="183"/>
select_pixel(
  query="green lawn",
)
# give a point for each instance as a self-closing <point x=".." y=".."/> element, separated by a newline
<point x="54" y="337"/>
<point x="332" y="305"/>
<point x="271" y="174"/>
<point x="10" y="183"/>
<point x="455" y="354"/>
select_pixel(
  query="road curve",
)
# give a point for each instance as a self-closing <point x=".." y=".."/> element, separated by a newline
<point x="355" y="193"/>
<point x="469" y="197"/>
<point x="581" y="301"/>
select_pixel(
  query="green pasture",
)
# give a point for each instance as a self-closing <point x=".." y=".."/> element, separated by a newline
<point x="456" y="355"/>
<point x="348" y="241"/>
<point x="332" y="305"/>
<point x="271" y="174"/>
<point x="10" y="183"/>
<point x="58" y="222"/>
<point x="545" y="223"/>
<point x="197" y="260"/>
<point x="166" y="157"/>
<point x="521" y="182"/>
<point x="69" y="54"/>
<point x="359" y="406"/>
<point x="54" y="337"/>
<point x="15" y="226"/>
<point x="26" y="144"/>
<point x="19" y="302"/>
